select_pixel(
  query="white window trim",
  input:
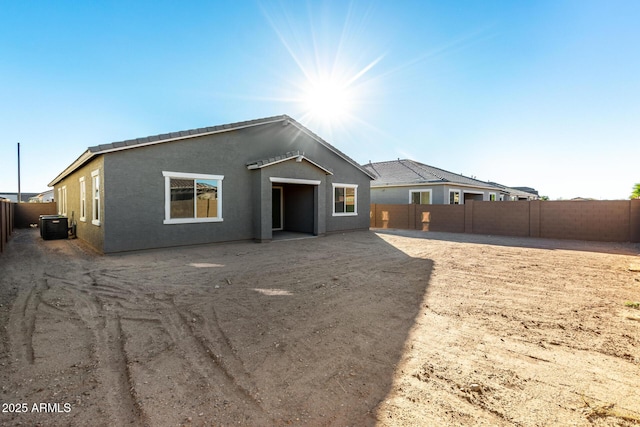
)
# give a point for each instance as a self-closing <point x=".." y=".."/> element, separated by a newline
<point x="95" y="212"/>
<point x="63" y="201"/>
<point x="333" y="197"/>
<point x="426" y="190"/>
<point x="460" y="196"/>
<point x="59" y="203"/>
<point x="83" y="199"/>
<point x="167" y="197"/>
<point x="495" y="197"/>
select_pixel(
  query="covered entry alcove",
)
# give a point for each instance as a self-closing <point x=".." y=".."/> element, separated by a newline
<point x="291" y="196"/>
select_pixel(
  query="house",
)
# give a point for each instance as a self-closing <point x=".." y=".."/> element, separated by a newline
<point x="410" y="182"/>
<point x="230" y="182"/>
<point x="14" y="196"/>
<point x="516" y="193"/>
<point x="44" y="197"/>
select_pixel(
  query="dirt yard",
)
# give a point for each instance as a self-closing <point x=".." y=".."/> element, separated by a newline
<point x="389" y="329"/>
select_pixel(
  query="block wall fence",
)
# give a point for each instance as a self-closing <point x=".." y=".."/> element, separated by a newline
<point x="29" y="213"/>
<point x="20" y="215"/>
<point x="606" y="221"/>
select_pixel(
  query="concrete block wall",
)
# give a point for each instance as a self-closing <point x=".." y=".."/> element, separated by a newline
<point x="634" y="220"/>
<point x="607" y="221"/>
<point x="29" y="213"/>
<point x="509" y="219"/>
<point x="444" y="218"/>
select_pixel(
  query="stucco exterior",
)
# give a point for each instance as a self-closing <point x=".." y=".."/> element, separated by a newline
<point x="92" y="234"/>
<point x="400" y="182"/>
<point x="134" y="192"/>
<point x="439" y="193"/>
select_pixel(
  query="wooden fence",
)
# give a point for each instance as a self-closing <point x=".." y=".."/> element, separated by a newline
<point x="608" y="221"/>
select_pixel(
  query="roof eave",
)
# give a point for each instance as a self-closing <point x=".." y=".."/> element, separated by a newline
<point x="84" y="157"/>
<point x="428" y="184"/>
<point x="242" y="125"/>
<point x="95" y="150"/>
<point x="331" y="148"/>
<point x="297" y="158"/>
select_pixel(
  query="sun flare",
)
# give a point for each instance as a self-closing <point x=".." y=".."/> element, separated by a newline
<point x="327" y="99"/>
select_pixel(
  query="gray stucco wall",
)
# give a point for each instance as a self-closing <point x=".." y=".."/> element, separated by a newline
<point x="134" y="187"/>
<point x="85" y="229"/>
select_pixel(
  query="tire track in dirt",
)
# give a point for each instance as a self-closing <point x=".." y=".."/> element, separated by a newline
<point x="209" y="353"/>
<point x="22" y="322"/>
<point x="110" y="358"/>
<point x="223" y="355"/>
<point x="221" y="359"/>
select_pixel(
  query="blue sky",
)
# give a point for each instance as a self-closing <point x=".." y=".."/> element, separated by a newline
<point x="539" y="93"/>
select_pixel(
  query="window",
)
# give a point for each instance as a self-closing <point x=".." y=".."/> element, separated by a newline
<point x="95" y="198"/>
<point x="83" y="200"/>
<point x="192" y="198"/>
<point x="420" y="197"/>
<point x="345" y="199"/>
<point x="454" y="197"/>
<point x="62" y="200"/>
<point x="492" y="197"/>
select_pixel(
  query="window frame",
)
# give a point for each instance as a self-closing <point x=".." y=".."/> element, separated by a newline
<point x="460" y="197"/>
<point x="83" y="199"/>
<point x="333" y="197"/>
<point x="426" y="190"/>
<point x="194" y="176"/>
<point x="495" y="197"/>
<point x="96" y="218"/>
<point x="62" y="199"/>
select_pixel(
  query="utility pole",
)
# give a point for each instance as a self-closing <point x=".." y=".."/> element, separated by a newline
<point x="19" y="193"/>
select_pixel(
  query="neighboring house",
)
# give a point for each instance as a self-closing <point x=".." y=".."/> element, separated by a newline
<point x="516" y="193"/>
<point x="14" y="196"/>
<point x="231" y="182"/>
<point x="408" y="181"/>
<point x="44" y="197"/>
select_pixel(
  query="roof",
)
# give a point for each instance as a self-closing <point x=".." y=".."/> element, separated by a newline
<point x="410" y="172"/>
<point x="97" y="150"/>
<point x="299" y="156"/>
<point x="527" y="192"/>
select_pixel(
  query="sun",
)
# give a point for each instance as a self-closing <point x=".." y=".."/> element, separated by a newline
<point x="327" y="99"/>
<point x="332" y="81"/>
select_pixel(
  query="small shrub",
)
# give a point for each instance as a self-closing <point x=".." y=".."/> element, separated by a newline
<point x="632" y="304"/>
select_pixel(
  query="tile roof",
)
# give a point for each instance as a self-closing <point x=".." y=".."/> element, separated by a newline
<point x="406" y="172"/>
<point x="191" y="133"/>
<point x="276" y="159"/>
<point x="527" y="192"/>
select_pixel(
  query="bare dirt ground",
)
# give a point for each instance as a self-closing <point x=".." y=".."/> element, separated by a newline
<point x="399" y="328"/>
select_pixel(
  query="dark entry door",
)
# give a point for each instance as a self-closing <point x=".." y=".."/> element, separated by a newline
<point x="277" y="211"/>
